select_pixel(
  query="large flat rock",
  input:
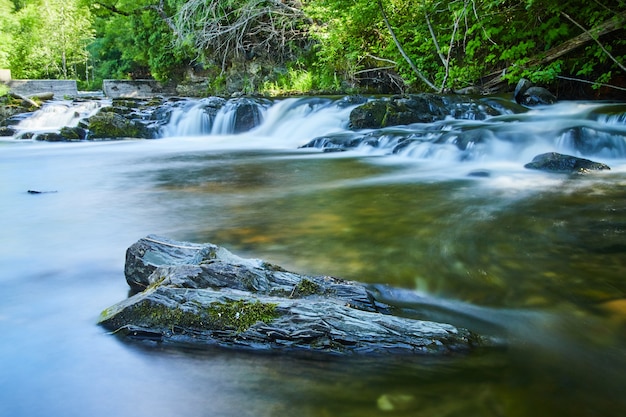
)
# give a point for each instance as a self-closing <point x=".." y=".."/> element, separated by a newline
<point x="203" y="295"/>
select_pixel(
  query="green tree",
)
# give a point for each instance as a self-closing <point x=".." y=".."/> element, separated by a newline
<point x="455" y="43"/>
<point x="51" y="39"/>
<point x="8" y="26"/>
<point x="136" y="39"/>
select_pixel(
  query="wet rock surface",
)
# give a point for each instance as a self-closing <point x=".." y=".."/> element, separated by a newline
<point x="556" y="162"/>
<point x="528" y="94"/>
<point x="119" y="121"/>
<point x="203" y="295"/>
<point x="418" y="108"/>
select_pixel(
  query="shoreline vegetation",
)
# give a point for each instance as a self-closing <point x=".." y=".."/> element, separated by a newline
<point x="322" y="47"/>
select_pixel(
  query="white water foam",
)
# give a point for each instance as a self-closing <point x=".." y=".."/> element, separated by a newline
<point x="58" y="114"/>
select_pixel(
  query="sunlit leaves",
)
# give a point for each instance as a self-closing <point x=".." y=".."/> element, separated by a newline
<point x="50" y="39"/>
<point x="491" y="35"/>
<point x="7" y="27"/>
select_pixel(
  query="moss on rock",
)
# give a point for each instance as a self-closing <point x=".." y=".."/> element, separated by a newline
<point x="306" y="287"/>
<point x="241" y="314"/>
<point x="109" y="125"/>
<point x="370" y="115"/>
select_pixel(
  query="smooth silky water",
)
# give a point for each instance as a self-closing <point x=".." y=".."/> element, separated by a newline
<point x="535" y="259"/>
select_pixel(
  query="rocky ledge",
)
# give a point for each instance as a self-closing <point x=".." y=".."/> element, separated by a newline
<point x="203" y="295"/>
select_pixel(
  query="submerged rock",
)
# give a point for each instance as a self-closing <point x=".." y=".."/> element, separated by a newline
<point x="556" y="162"/>
<point x="203" y="295"/>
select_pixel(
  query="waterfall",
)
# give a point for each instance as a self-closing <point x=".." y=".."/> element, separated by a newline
<point x="192" y="117"/>
<point x="291" y="121"/>
<point x="214" y="116"/>
<point x="191" y="122"/>
<point x="305" y="118"/>
<point x="58" y="114"/>
<point x="239" y="116"/>
<point x="489" y="132"/>
<point x="580" y="129"/>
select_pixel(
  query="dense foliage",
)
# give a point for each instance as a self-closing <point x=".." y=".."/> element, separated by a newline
<point x="330" y="45"/>
<point x="48" y="39"/>
<point x="455" y="43"/>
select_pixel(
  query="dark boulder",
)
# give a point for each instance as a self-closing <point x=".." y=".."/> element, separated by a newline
<point x="50" y="137"/>
<point x="73" y="133"/>
<point x="66" y="134"/>
<point x="248" y="114"/>
<point x="6" y="131"/>
<point x="203" y="295"/>
<point x="556" y="162"/>
<point x="535" y="96"/>
<point x="371" y="115"/>
<point x="419" y="108"/>
<point x="529" y="95"/>
<point x="422" y="108"/>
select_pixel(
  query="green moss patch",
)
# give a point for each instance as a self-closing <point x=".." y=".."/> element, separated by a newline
<point x="306" y="287"/>
<point x="241" y="314"/>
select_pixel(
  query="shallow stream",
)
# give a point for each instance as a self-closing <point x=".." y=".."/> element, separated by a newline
<point x="538" y="258"/>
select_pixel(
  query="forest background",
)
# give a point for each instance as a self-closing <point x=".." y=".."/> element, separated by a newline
<point x="318" y="46"/>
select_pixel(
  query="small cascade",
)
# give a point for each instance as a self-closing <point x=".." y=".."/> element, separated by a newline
<point x="291" y="121"/>
<point x="192" y="118"/>
<point x="55" y="115"/>
<point x="300" y="119"/>
<point x="214" y="116"/>
<point x="583" y="130"/>
<point x="486" y="131"/>
<point x="238" y="116"/>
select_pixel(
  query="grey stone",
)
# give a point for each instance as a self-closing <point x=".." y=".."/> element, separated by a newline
<point x="185" y="291"/>
<point x="556" y="162"/>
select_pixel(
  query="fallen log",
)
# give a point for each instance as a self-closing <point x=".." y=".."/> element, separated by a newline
<point x="203" y="295"/>
<point x="25" y="101"/>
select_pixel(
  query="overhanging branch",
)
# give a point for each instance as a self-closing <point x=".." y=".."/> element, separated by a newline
<point x="402" y="52"/>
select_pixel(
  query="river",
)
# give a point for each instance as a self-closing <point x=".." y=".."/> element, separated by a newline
<point x="540" y="256"/>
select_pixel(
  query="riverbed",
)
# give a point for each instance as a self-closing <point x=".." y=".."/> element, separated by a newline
<point x="541" y="255"/>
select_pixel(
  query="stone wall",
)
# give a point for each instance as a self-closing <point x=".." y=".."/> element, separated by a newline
<point x="134" y="88"/>
<point x="5" y="75"/>
<point x="60" y="88"/>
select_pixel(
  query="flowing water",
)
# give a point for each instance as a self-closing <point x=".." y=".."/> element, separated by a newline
<point x="537" y="259"/>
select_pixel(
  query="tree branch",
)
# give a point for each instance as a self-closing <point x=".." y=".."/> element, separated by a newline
<point x="590" y="82"/>
<point x="232" y="30"/>
<point x="447" y="61"/>
<point x="608" y="26"/>
<point x="111" y="8"/>
<point x="168" y="20"/>
<point x="404" y="54"/>
<point x="596" y="40"/>
<point x="432" y="35"/>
